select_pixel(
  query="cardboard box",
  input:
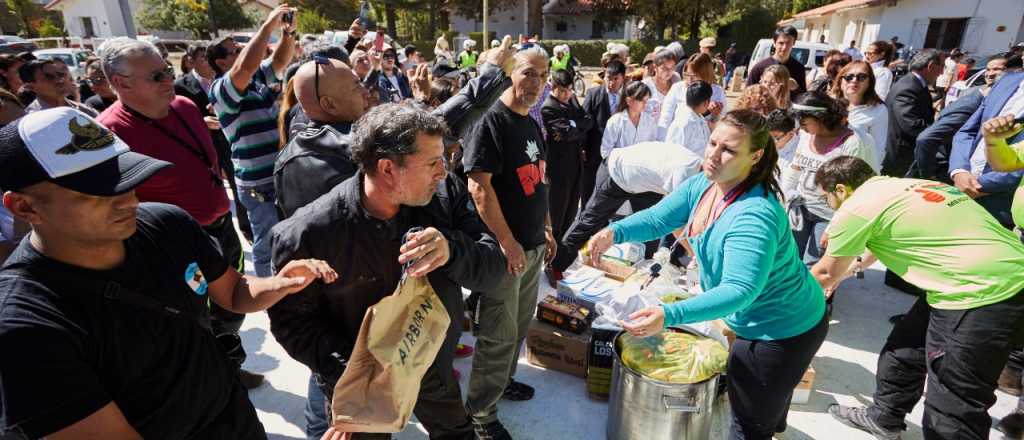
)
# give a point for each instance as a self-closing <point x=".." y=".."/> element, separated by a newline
<point x="802" y="393"/>
<point x="564" y="315"/>
<point x="589" y="294"/>
<point x="554" y="349"/>
<point x="575" y="279"/>
<point x="614" y="269"/>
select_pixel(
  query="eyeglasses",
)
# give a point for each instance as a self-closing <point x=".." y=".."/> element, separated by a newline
<point x="167" y="73"/>
<point x="55" y="76"/>
<point x="855" y="76"/>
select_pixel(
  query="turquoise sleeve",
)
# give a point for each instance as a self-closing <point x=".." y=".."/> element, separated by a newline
<point x="671" y="213"/>
<point x="749" y="252"/>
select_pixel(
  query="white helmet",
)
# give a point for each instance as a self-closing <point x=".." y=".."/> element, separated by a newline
<point x="561" y="48"/>
<point x="495" y="43"/>
<point x="468" y="44"/>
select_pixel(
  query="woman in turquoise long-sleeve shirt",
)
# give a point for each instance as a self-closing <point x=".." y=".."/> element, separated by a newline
<point x="750" y="272"/>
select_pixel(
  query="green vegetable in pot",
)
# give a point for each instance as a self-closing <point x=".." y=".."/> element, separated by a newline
<point x="673" y="357"/>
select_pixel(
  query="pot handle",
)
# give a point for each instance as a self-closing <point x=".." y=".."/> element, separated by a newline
<point x="681" y="404"/>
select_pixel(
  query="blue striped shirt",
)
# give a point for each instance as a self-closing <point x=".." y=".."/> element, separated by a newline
<point x="249" y="121"/>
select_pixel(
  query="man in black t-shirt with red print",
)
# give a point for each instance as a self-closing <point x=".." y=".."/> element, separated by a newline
<point x="505" y="159"/>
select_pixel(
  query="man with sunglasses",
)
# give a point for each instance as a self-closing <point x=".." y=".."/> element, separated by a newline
<point x="393" y="85"/>
<point x="103" y="97"/>
<point x="51" y="85"/>
<point x="152" y="120"/>
<point x="244" y="96"/>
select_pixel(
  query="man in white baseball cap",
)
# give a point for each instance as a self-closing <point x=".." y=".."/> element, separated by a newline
<point x="104" y="322"/>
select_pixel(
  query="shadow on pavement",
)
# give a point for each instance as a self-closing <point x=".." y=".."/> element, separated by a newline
<point x="276" y="401"/>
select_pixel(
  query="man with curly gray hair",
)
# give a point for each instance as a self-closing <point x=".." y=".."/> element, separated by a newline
<point x="401" y="208"/>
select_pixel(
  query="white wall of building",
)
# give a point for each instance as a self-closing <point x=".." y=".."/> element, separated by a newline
<point x="909" y="19"/>
<point x="508" y="22"/>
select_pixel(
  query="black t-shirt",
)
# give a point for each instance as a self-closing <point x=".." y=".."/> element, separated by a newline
<point x="68" y="350"/>
<point x="796" y="70"/>
<point x="99" y="103"/>
<point x="510" y="147"/>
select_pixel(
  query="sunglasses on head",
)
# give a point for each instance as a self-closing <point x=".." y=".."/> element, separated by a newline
<point x="319" y="60"/>
<point x="856" y="76"/>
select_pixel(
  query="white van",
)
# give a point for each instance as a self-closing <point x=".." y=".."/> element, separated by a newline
<point x="811" y="55"/>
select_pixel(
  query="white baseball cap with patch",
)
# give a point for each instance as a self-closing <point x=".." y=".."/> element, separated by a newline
<point x="69" y="148"/>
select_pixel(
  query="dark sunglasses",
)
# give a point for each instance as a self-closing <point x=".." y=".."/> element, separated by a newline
<point x="857" y="76"/>
<point x="52" y="77"/>
<point x="388" y="57"/>
<point x="96" y="81"/>
<point x="167" y="73"/>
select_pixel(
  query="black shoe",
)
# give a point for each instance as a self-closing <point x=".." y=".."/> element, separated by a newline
<point x="491" y="431"/>
<point x="517" y="391"/>
<point x="250" y="380"/>
<point x="858" y="418"/>
<point x="1012" y="426"/>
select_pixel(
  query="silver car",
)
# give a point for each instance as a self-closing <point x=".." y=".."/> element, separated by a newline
<point x="72" y="57"/>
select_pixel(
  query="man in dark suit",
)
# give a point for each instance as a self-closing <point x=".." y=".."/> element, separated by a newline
<point x="969" y="168"/>
<point x="599" y="103"/>
<point x="931" y="154"/>
<point x="910" y="111"/>
<point x="195" y="85"/>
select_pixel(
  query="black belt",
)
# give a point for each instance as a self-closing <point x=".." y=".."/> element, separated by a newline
<point x="219" y="223"/>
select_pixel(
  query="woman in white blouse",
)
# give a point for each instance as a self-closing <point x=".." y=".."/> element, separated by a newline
<point x="698" y="68"/>
<point x="661" y="83"/>
<point x="630" y="124"/>
<point x="856" y="84"/>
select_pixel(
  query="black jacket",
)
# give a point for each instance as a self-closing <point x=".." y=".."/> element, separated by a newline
<point x="189" y="87"/>
<point x="567" y="126"/>
<point x="319" y="150"/>
<point x="316" y="160"/>
<point x="933" y="145"/>
<point x="595" y="104"/>
<point x="910" y="112"/>
<point x="318" y="326"/>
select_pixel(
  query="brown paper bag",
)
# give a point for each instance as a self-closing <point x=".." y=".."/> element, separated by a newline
<point x="398" y="340"/>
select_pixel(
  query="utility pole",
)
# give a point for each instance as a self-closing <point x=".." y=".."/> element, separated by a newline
<point x="126" y="16"/>
<point x="483" y="39"/>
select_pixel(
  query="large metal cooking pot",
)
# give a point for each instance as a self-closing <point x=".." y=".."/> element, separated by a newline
<point x="641" y="408"/>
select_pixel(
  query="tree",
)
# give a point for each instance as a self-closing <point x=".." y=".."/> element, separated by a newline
<point x="309" y="21"/>
<point x="47" y="28"/>
<point x="26" y="12"/>
<point x="194" y="16"/>
<point x="804" y="5"/>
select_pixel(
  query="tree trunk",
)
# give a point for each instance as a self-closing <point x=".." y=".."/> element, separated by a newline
<point x="659" y="21"/>
<point x="213" y="20"/>
<point x="431" y="21"/>
<point x="392" y="20"/>
<point x="443" y="19"/>
<point x="695" y="22"/>
<point x="536" y="26"/>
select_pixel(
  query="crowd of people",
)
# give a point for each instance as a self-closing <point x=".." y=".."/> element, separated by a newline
<point x="350" y="167"/>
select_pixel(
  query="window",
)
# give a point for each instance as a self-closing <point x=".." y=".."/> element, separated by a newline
<point x="561" y="26"/>
<point x="597" y="29"/>
<point x="87" y="29"/>
<point x="945" y="33"/>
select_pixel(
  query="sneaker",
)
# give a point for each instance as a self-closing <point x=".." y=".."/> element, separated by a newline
<point x="463" y="351"/>
<point x="249" y="379"/>
<point x="1009" y="381"/>
<point x="1012" y="425"/>
<point x="858" y="418"/>
<point x="491" y="431"/>
<point x="517" y="391"/>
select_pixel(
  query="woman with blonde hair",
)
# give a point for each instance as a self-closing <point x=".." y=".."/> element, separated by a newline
<point x="699" y="67"/>
<point x="757" y="98"/>
<point x="776" y="78"/>
<point x="855" y="83"/>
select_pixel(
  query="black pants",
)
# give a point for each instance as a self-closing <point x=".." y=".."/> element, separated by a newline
<point x="224" y="321"/>
<point x="960" y="353"/>
<point x="607" y="199"/>
<point x="564" y="169"/>
<point x="588" y="180"/>
<point x="761" y="377"/>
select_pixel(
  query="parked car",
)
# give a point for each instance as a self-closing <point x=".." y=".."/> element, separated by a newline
<point x="811" y="55"/>
<point x="16" y="44"/>
<point x="960" y="88"/>
<point x="73" y="58"/>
